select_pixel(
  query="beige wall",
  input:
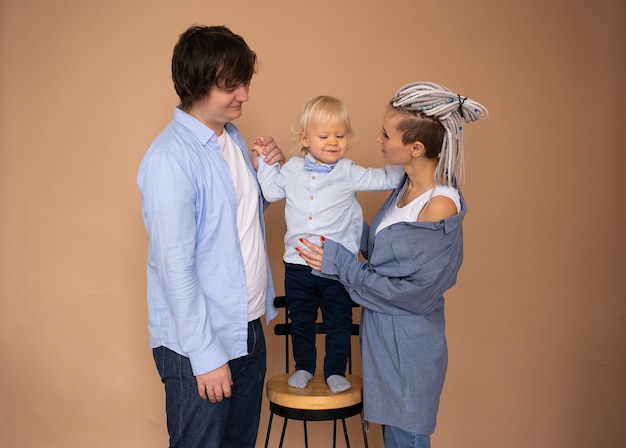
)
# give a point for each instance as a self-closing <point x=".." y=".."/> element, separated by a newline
<point x="536" y="324"/>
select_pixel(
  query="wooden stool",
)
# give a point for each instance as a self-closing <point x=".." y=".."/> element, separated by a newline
<point x="315" y="402"/>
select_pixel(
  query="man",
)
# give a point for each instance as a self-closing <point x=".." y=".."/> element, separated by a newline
<point x="209" y="280"/>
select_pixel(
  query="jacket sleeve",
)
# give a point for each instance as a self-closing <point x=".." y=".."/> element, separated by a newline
<point x="402" y="276"/>
<point x="364" y="240"/>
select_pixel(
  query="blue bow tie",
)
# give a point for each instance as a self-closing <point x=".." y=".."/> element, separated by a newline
<point x="311" y="165"/>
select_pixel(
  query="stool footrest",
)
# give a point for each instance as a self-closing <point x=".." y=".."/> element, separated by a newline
<point x="316" y="414"/>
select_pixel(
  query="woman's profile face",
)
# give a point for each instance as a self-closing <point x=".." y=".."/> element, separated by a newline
<point x="393" y="150"/>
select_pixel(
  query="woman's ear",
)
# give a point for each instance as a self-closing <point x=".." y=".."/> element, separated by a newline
<point x="418" y="149"/>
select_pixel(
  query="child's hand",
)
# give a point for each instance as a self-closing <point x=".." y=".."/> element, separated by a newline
<point x="258" y="147"/>
<point x="256" y="150"/>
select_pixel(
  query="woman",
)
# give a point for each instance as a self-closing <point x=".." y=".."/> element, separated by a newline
<point x="414" y="250"/>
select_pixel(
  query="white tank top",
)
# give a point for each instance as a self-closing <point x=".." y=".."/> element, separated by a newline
<point x="411" y="211"/>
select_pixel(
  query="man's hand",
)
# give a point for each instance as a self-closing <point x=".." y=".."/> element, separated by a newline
<point x="216" y="384"/>
<point x="269" y="148"/>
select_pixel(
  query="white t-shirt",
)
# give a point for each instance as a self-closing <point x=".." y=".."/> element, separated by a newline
<point x="248" y="226"/>
<point x="411" y="211"/>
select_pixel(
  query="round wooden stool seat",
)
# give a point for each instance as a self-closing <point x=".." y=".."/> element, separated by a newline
<point x="316" y="396"/>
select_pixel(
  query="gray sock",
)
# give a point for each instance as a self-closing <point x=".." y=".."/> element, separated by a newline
<point x="338" y="383"/>
<point x="300" y="379"/>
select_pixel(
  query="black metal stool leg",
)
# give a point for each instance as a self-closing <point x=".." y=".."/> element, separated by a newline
<point x="306" y="434"/>
<point x="282" y="435"/>
<point x="269" y="428"/>
<point x="364" y="434"/>
<point x="345" y="432"/>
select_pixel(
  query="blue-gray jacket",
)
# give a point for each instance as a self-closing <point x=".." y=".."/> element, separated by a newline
<point x="400" y="288"/>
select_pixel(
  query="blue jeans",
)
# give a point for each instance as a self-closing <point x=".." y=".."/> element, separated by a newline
<point x="305" y="293"/>
<point x="399" y="438"/>
<point x="232" y="423"/>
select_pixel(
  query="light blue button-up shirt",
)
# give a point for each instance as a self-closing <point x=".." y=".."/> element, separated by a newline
<point x="323" y="204"/>
<point x="197" y="297"/>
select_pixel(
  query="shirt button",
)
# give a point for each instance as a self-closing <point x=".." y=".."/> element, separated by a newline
<point x="313" y="176"/>
<point x="311" y="197"/>
<point x="310" y="218"/>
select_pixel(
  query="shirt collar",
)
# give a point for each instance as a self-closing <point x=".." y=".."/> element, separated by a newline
<point x="201" y="131"/>
<point x="311" y="165"/>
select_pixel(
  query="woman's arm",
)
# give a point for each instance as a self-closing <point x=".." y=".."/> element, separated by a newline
<point x="403" y="279"/>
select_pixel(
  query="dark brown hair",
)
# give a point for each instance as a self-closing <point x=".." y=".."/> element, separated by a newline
<point x="205" y="56"/>
<point x="417" y="127"/>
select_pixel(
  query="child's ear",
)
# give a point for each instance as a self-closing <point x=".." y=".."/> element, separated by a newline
<point x="304" y="140"/>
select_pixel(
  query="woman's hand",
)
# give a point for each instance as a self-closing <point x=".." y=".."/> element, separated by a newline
<point x="312" y="253"/>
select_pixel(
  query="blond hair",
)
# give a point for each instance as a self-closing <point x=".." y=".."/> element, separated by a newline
<point x="321" y="109"/>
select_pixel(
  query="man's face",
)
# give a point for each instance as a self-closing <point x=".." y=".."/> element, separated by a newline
<point x="221" y="105"/>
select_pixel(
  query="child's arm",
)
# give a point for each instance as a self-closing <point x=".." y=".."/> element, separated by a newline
<point x="269" y="176"/>
<point x="376" y="179"/>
